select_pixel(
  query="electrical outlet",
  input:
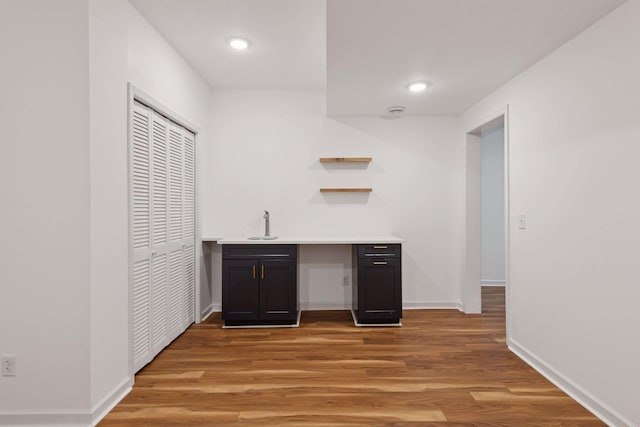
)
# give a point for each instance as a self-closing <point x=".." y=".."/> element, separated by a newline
<point x="8" y="365"/>
<point x="345" y="281"/>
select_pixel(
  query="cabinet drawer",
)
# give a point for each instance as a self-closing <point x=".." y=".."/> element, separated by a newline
<point x="381" y="250"/>
<point x="259" y="251"/>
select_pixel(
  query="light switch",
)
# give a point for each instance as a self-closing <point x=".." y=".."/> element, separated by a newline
<point x="522" y="221"/>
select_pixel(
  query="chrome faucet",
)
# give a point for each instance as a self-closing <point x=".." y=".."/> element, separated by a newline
<point x="266" y="223"/>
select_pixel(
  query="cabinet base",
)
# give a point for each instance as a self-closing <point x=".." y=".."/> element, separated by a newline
<point x="240" y="324"/>
<point x="385" y="322"/>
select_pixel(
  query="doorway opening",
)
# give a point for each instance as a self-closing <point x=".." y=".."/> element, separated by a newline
<point x="492" y="215"/>
<point x="486" y="214"/>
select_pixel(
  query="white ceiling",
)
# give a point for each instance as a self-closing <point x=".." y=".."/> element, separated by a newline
<point x="365" y="52"/>
<point x="288" y="40"/>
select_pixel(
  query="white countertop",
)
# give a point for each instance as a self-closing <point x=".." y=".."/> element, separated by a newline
<point x="309" y="240"/>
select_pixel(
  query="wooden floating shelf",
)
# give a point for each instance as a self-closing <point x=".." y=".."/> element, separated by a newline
<point x="345" y="159"/>
<point x="346" y="190"/>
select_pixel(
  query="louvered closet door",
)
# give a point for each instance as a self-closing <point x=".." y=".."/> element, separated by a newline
<point x="159" y="233"/>
<point x="176" y="258"/>
<point x="181" y="230"/>
<point x="140" y="195"/>
<point x="162" y="223"/>
<point x="188" y="230"/>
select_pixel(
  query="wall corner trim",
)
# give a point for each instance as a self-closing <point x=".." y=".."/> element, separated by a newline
<point x="206" y="313"/>
<point x="594" y="405"/>
<point x="102" y="408"/>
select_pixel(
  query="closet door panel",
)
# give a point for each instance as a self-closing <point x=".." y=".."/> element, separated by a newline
<point x="140" y="180"/>
<point x="174" y="295"/>
<point x="175" y="185"/>
<point x="159" y="234"/>
<point x="159" y="182"/>
<point x="188" y="209"/>
<point x="159" y="304"/>
<point x="189" y="287"/>
<point x="141" y="325"/>
<point x="140" y="229"/>
<point x="188" y="232"/>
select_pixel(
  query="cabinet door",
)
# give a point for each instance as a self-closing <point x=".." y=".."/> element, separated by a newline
<point x="379" y="289"/>
<point x="240" y="290"/>
<point x="278" y="290"/>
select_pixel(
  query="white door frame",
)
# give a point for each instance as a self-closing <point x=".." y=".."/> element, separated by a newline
<point x="471" y="285"/>
<point x="135" y="94"/>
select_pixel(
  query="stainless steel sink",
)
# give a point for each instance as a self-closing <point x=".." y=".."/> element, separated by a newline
<point x="263" y="237"/>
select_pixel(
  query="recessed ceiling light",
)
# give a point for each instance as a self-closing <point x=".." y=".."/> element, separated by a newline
<point x="418" y="86"/>
<point x="238" y="43"/>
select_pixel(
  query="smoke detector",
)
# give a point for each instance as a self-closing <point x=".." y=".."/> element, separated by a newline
<point x="395" y="111"/>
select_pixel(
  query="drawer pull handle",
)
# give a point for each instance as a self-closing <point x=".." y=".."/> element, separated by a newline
<point x="262" y="271"/>
<point x="379" y="263"/>
<point x="380" y="247"/>
<point x="254" y="272"/>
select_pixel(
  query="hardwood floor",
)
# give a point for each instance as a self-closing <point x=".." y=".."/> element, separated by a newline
<point x="441" y="368"/>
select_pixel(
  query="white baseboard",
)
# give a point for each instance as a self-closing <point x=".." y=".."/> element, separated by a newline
<point x="45" y="418"/>
<point x="206" y="313"/>
<point x="70" y="418"/>
<point x="102" y="408"/>
<point x="441" y="305"/>
<point x="492" y="283"/>
<point x="583" y="397"/>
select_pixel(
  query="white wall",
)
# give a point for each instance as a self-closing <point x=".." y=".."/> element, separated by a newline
<point x="573" y="153"/>
<point x="265" y="154"/>
<point x="64" y="265"/>
<point x="44" y="219"/>
<point x="492" y="205"/>
<point x="158" y="70"/>
<point x="110" y="377"/>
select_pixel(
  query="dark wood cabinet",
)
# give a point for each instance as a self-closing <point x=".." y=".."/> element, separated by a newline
<point x="240" y="289"/>
<point x="259" y="285"/>
<point x="377" y="283"/>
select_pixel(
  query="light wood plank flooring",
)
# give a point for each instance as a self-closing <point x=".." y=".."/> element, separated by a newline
<point x="442" y="368"/>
